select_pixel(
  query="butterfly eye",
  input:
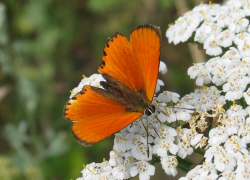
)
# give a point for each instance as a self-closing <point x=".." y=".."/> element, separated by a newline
<point x="149" y="110"/>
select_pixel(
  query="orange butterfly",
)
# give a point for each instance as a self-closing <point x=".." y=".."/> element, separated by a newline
<point x="130" y="69"/>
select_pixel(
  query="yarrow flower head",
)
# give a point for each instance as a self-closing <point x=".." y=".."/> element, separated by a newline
<point x="223" y="31"/>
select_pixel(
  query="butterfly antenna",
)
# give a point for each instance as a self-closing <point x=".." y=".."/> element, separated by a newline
<point x="157" y="119"/>
<point x="164" y="112"/>
<point x="146" y="129"/>
<point x="155" y="130"/>
<point x="176" y="107"/>
<point x="181" y="108"/>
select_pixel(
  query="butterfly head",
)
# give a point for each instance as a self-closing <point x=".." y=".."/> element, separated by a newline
<point x="149" y="110"/>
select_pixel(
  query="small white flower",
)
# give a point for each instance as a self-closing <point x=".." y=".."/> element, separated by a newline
<point x="182" y="35"/>
<point x="163" y="68"/>
<point x="166" y="114"/>
<point x="247" y="8"/>
<point x="200" y="35"/>
<point x="106" y="167"/>
<point x="162" y="147"/>
<point x="120" y="142"/>
<point x="121" y="172"/>
<point x="241" y="37"/>
<point x="142" y="152"/>
<point x="95" y="80"/>
<point x="244" y="132"/>
<point x="244" y="49"/>
<point x="212" y="176"/>
<point x="170" y="33"/>
<point x="227" y="175"/>
<point x="239" y="119"/>
<point x="238" y="24"/>
<point x="235" y="3"/>
<point x="243" y="172"/>
<point x="135" y="126"/>
<point x="243" y="160"/>
<point x="231" y="126"/>
<point x="169" y="164"/>
<point x="225" y="38"/>
<point x="235" y="147"/>
<point x="183" y="111"/>
<point x="185" y="149"/>
<point x="166" y="132"/>
<point x="234" y="90"/>
<point x="203" y="77"/>
<point x="207" y="168"/>
<point x="168" y="96"/>
<point x="223" y="19"/>
<point x="105" y="176"/>
<point x="233" y="53"/>
<point x="236" y="11"/>
<point x="220" y="76"/>
<point x="217" y="135"/>
<point x="214" y="64"/>
<point x="115" y="158"/>
<point x="235" y="110"/>
<point x="212" y="46"/>
<point x="205" y="103"/>
<point x="144" y="169"/>
<point x="213" y="28"/>
<point x="91" y="172"/>
<point x="194" y="70"/>
<point x="245" y="66"/>
<point x="158" y="85"/>
<point x="190" y="99"/>
<point x="133" y="139"/>
<point x="192" y="136"/>
<point x="213" y="151"/>
<point x="224" y="161"/>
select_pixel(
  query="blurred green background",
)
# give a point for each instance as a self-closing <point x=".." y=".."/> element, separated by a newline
<point x="45" y="48"/>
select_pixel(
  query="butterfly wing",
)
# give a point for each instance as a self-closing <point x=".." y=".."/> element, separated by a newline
<point x="96" y="115"/>
<point x="134" y="63"/>
<point x="145" y="41"/>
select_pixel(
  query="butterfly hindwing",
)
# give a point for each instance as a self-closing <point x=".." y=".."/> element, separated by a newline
<point x="96" y="116"/>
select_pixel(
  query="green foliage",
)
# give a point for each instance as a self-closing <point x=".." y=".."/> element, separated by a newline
<point x="185" y="164"/>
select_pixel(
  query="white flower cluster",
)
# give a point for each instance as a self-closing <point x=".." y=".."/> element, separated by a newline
<point x="227" y="156"/>
<point x="221" y="30"/>
<point x="204" y="99"/>
<point x="150" y="138"/>
<point x="215" y="26"/>
<point x="229" y="71"/>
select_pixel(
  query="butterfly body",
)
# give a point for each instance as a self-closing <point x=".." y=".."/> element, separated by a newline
<point x="134" y="102"/>
<point x="130" y="69"/>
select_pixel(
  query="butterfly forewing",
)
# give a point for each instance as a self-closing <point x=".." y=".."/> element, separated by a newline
<point x="118" y="61"/>
<point x="146" y="44"/>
